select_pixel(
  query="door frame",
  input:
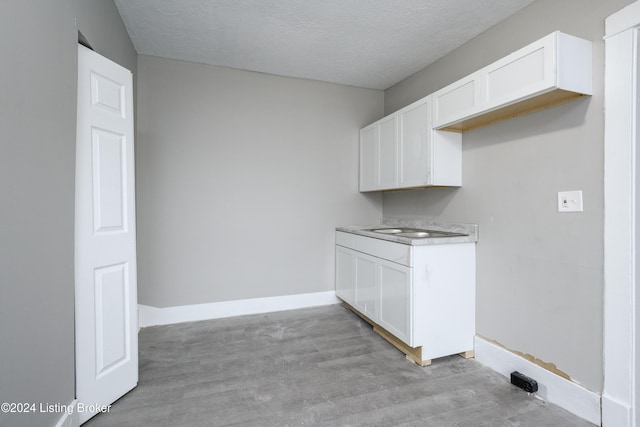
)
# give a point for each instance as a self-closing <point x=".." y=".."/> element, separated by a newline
<point x="622" y="221"/>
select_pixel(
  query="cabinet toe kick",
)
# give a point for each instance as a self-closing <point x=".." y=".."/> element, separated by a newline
<point x="413" y="354"/>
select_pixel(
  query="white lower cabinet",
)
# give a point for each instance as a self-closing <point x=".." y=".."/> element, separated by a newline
<point x="424" y="296"/>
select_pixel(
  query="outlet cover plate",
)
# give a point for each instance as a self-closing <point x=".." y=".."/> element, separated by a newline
<point x="570" y="201"/>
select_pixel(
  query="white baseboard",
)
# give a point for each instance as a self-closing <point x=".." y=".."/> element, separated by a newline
<point x="70" y="418"/>
<point x="551" y="387"/>
<point x="151" y="316"/>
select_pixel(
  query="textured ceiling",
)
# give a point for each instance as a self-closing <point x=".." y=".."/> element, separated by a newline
<point x="366" y="43"/>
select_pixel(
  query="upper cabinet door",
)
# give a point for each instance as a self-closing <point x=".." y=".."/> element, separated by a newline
<point x="458" y="100"/>
<point x="414" y="158"/>
<point x="378" y="155"/>
<point x="369" y="158"/>
<point x="388" y="142"/>
<point x="528" y="71"/>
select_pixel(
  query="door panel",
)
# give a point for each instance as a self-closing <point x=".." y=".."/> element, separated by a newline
<point x="109" y="163"/>
<point x="395" y="299"/>
<point x="107" y="94"/>
<point x="366" y="287"/>
<point x="388" y="138"/>
<point x="112" y="321"/>
<point x="413" y="145"/>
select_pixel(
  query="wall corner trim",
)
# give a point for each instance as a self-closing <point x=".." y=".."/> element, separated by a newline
<point x="152" y="316"/>
<point x="615" y="412"/>
<point x="552" y="388"/>
<point x="70" y="418"/>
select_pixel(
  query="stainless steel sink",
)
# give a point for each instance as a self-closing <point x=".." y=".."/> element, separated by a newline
<point x="387" y="230"/>
<point x="415" y="233"/>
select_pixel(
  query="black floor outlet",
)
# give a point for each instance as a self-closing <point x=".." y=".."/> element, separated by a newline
<point x="524" y="382"/>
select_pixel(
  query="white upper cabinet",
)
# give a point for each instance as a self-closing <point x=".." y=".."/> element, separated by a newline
<point x="550" y="71"/>
<point x="403" y="150"/>
<point x="421" y="144"/>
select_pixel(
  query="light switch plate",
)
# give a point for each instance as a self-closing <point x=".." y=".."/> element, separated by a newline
<point x="570" y="201"/>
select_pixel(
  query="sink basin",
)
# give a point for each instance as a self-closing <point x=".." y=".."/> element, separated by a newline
<point x="418" y="234"/>
<point x="415" y="233"/>
<point x="387" y="230"/>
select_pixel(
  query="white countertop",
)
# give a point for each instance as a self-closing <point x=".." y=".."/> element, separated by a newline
<point x="471" y="231"/>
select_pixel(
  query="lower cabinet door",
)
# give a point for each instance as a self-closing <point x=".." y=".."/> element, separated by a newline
<point x="366" y="285"/>
<point x="346" y="275"/>
<point x="395" y="311"/>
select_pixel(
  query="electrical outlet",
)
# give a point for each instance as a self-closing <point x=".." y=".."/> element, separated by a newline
<point x="570" y="201"/>
<point x="524" y="382"/>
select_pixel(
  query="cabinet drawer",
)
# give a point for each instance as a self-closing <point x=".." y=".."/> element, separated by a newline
<point x="344" y="239"/>
<point x="395" y="252"/>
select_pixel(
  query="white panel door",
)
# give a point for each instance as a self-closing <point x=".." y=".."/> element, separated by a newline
<point x="366" y="285"/>
<point x="388" y="146"/>
<point x="530" y="70"/>
<point x="460" y="99"/>
<point x="395" y="299"/>
<point x="414" y="144"/>
<point x="105" y="234"/>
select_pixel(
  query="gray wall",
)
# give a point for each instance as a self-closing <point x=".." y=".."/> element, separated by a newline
<point x="37" y="174"/>
<point x="100" y="23"/>
<point x="37" y="119"/>
<point x="539" y="273"/>
<point x="242" y="178"/>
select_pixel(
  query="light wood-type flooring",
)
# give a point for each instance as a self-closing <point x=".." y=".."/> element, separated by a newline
<point x="320" y="366"/>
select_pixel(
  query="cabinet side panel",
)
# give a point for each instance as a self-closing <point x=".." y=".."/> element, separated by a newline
<point x="345" y="275"/>
<point x="447" y="158"/>
<point x="574" y="64"/>
<point x="369" y="160"/>
<point x="444" y="305"/>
